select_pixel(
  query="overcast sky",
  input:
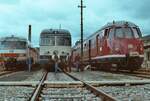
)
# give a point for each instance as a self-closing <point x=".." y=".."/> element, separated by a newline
<point x="16" y="15"/>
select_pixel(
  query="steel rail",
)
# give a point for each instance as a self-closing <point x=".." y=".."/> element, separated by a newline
<point x="19" y="83"/>
<point x="136" y="73"/>
<point x="38" y="89"/>
<point x="99" y="93"/>
<point x="6" y="72"/>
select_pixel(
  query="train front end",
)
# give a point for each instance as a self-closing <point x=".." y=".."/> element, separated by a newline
<point x="13" y="52"/>
<point x="54" y="41"/>
<point x="127" y="46"/>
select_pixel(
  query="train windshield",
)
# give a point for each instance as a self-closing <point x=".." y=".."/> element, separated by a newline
<point x="12" y="45"/>
<point x="136" y="32"/>
<point x="48" y="41"/>
<point x="63" y="41"/>
<point x="126" y="32"/>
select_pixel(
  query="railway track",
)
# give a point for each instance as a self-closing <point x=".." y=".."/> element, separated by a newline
<point x="70" y="87"/>
<point x="17" y="86"/>
<point x="38" y="89"/>
<point x="81" y="90"/>
<point x="138" y="73"/>
<point x="21" y="76"/>
<point x="6" y="72"/>
<point x="76" y="90"/>
<point x="133" y="89"/>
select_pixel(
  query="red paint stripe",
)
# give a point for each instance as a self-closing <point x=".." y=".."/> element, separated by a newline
<point x="9" y="55"/>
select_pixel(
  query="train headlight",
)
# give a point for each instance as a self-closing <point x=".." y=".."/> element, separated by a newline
<point x="141" y="49"/>
<point x="130" y="46"/>
<point x="100" y="49"/>
<point x="117" y="49"/>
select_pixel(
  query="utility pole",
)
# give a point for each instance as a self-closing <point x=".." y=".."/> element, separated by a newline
<point x="29" y="57"/>
<point x="29" y="33"/>
<point x="81" y="7"/>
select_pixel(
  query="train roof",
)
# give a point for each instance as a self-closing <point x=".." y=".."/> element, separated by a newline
<point x="116" y="24"/>
<point x="12" y="38"/>
<point x="56" y="31"/>
<point x="119" y="24"/>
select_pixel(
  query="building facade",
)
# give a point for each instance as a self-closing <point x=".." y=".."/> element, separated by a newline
<point x="146" y="40"/>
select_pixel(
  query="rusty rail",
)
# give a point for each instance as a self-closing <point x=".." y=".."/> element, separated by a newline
<point x="99" y="93"/>
<point x="6" y="72"/>
<point x="38" y="89"/>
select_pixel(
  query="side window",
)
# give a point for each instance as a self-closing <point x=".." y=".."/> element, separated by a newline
<point x="97" y="42"/>
<point x="139" y="32"/>
<point x="106" y="33"/>
<point x="92" y="43"/>
<point x="136" y="32"/>
<point x="102" y="33"/>
<point x="84" y="46"/>
<point x="111" y="33"/>
<point x="97" y="38"/>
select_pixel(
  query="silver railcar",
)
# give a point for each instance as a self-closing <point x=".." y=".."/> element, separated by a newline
<point x="54" y="40"/>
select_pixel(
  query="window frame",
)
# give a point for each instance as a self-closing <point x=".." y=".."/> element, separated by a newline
<point x="124" y="34"/>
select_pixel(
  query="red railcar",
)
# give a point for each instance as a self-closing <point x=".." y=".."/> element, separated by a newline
<point x="117" y="44"/>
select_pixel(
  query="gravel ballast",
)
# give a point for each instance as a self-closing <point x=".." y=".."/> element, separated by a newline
<point x="58" y="77"/>
<point x="102" y="76"/>
<point x="15" y="93"/>
<point x="128" y="93"/>
<point x="68" y="94"/>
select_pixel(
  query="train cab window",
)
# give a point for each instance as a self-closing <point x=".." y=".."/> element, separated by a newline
<point x="67" y="41"/>
<point x="125" y="32"/>
<point x="128" y="32"/>
<point x="63" y="41"/>
<point x="119" y="32"/>
<point x="13" y="45"/>
<point x="48" y="41"/>
<point x="52" y="42"/>
<point x="135" y="32"/>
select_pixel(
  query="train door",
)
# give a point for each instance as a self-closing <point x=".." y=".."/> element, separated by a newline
<point x="89" y="51"/>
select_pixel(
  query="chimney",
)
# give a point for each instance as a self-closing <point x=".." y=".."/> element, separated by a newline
<point x="29" y="33"/>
